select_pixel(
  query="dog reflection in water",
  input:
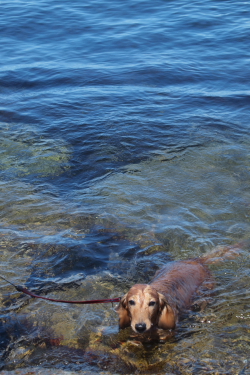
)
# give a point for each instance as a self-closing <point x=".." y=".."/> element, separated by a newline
<point x="159" y="304"/>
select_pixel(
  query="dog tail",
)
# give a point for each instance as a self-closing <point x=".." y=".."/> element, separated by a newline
<point x="222" y="253"/>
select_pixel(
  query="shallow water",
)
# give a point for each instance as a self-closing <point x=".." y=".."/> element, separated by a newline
<point x="124" y="143"/>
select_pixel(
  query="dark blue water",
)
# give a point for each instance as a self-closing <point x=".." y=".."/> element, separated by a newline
<point x="124" y="142"/>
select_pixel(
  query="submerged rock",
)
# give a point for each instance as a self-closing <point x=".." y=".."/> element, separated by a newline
<point x="26" y="152"/>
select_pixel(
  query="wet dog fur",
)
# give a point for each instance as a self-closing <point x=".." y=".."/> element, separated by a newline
<point x="160" y="303"/>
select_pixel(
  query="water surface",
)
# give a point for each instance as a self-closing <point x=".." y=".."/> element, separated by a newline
<point x="124" y="143"/>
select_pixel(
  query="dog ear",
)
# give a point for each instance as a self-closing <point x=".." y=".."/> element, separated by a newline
<point x="122" y="310"/>
<point x="167" y="317"/>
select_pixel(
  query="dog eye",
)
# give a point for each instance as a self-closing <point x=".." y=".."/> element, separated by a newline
<point x="131" y="302"/>
<point x="151" y="303"/>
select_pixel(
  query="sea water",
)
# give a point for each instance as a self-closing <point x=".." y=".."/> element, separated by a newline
<point x="124" y="144"/>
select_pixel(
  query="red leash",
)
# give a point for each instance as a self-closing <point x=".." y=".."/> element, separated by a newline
<point x="26" y="291"/>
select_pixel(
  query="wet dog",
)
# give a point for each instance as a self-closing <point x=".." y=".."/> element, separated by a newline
<point x="160" y="303"/>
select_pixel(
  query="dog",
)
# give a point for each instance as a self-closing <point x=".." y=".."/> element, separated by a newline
<point x="159" y="304"/>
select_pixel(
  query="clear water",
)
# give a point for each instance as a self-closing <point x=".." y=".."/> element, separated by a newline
<point x="124" y="143"/>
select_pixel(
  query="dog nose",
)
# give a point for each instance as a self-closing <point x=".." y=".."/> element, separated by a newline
<point x="140" y="327"/>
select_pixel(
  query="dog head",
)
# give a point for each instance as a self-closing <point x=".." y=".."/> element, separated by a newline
<point x="143" y="308"/>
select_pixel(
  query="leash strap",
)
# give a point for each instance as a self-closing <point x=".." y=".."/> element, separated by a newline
<point x="29" y="293"/>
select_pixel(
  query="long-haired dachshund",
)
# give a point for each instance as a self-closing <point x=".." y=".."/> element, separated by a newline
<point x="159" y="303"/>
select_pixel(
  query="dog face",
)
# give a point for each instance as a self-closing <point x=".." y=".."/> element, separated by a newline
<point x="143" y="308"/>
